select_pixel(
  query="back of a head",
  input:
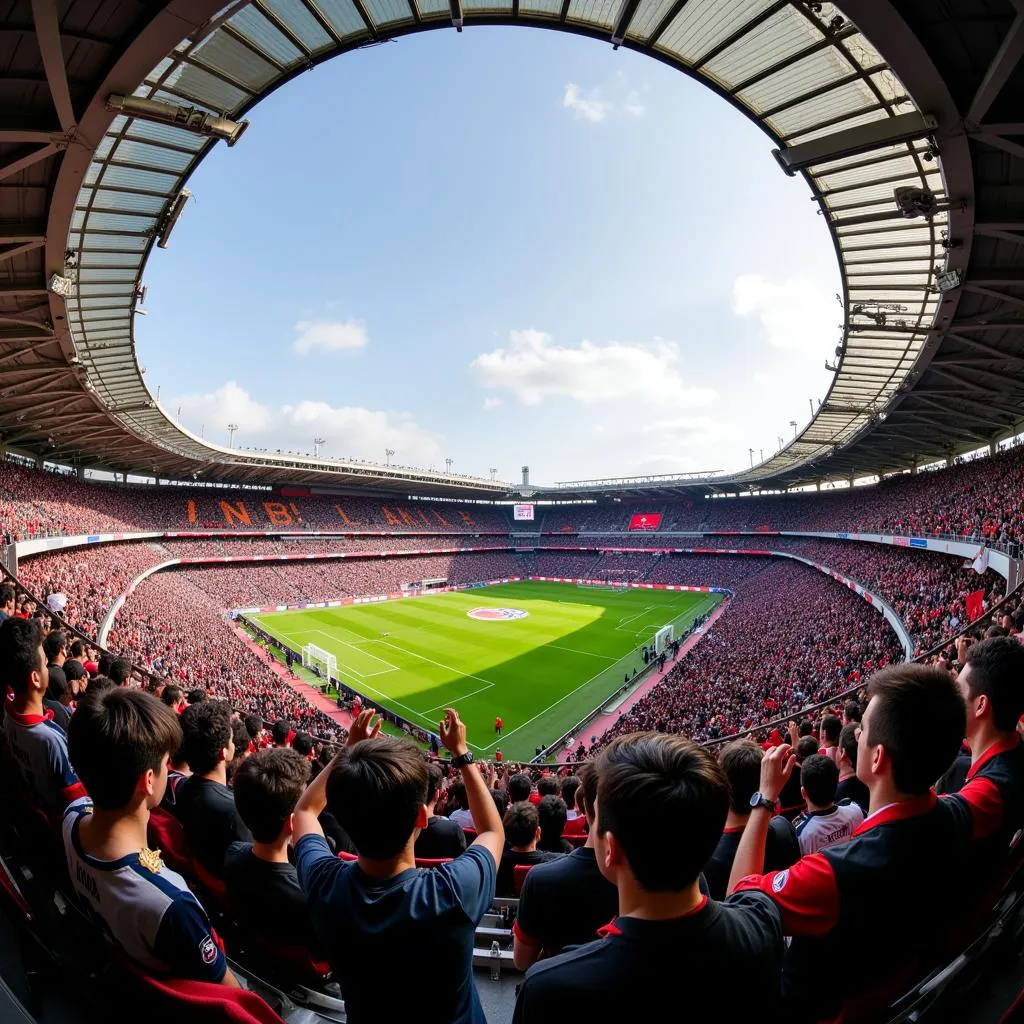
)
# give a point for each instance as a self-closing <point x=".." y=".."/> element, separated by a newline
<point x="665" y="800"/>
<point x="54" y="643"/>
<point x="568" y="788"/>
<point x="280" y="731"/>
<point x="830" y="729"/>
<point x="741" y="762"/>
<point x="114" y="737"/>
<point x="553" y="815"/>
<point x="74" y="670"/>
<point x="434" y="779"/>
<point x="76" y="650"/>
<point x="995" y="668"/>
<point x="99" y="684"/>
<point x="917" y="714"/>
<point x="805" y="747"/>
<point x="253" y="726"/>
<point x="7" y="595"/>
<point x="120" y="670"/>
<point x="852" y="711"/>
<point x="267" y="787"/>
<point x="805" y="728"/>
<point x="457" y="794"/>
<point x="171" y="695"/>
<point x="519" y="788"/>
<point x="848" y="743"/>
<point x="20" y="655"/>
<point x="819" y="777"/>
<point x="547" y="785"/>
<point x="586" y="795"/>
<point x="376" y="790"/>
<point x="303" y="743"/>
<point x="207" y="731"/>
<point x="197" y="695"/>
<point x="521" y="822"/>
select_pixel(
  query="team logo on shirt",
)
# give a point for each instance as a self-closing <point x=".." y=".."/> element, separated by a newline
<point x="208" y="950"/>
<point x="780" y="880"/>
<point x="496" y="614"/>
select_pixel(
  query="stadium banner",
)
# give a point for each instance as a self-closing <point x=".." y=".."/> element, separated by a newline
<point x="522" y="513"/>
<point x="641" y="521"/>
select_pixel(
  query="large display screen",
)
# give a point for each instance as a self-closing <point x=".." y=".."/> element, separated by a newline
<point x="522" y="513"/>
<point x="645" y="521"/>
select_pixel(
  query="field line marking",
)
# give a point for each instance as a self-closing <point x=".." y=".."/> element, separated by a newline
<point x="455" y="700"/>
<point x="631" y="618"/>
<point x="573" y="650"/>
<point x="447" y="668"/>
<point x="365" y="654"/>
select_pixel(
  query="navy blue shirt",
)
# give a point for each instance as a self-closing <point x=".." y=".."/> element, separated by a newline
<point x="417" y="926"/>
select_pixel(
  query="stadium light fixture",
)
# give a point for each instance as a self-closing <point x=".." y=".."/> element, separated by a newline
<point x="792" y="423"/>
<point x="318" y="443"/>
<point x="232" y="428"/>
<point x="171" y="218"/>
<point x="948" y="280"/>
<point x="448" y="464"/>
<point x="388" y="452"/>
<point x="62" y="286"/>
<point x="190" y="119"/>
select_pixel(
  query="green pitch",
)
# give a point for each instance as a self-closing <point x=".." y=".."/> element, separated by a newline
<point x="541" y="673"/>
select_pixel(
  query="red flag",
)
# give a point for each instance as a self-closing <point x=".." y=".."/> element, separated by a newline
<point x="973" y="602"/>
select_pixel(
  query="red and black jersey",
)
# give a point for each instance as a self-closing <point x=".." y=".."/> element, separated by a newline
<point x="886" y="892"/>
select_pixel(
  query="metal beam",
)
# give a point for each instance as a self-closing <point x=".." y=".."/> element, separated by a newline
<point x="1011" y="300"/>
<point x="626" y="11"/>
<point x="44" y="14"/>
<point x="1003" y="63"/>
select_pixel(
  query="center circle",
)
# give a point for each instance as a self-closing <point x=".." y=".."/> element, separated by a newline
<point x="496" y="614"/>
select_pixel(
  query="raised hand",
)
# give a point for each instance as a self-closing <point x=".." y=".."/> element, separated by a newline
<point x="453" y="733"/>
<point x="776" y="767"/>
<point x="364" y="728"/>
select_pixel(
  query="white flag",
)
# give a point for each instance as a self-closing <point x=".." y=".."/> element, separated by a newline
<point x="980" y="562"/>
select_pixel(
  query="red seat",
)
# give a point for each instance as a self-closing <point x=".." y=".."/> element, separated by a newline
<point x="577" y="841"/>
<point x="201" y="1002"/>
<point x="296" y="961"/>
<point x="471" y="835"/>
<point x="519" y="873"/>
<point x="213" y="887"/>
<point x="164" y="833"/>
<point x="432" y="862"/>
<point x="342" y="855"/>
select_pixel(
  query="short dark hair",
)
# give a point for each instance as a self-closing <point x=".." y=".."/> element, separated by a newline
<point x="280" y="731"/>
<point x="664" y="778"/>
<point x="852" y="710"/>
<point x="434" y="779"/>
<point x="77" y="648"/>
<point x="553" y="814"/>
<point x="120" y="670"/>
<point x="376" y="790"/>
<point x="457" y="796"/>
<point x="920" y="718"/>
<point x="6" y="595"/>
<point x="519" y="788"/>
<point x="74" y="670"/>
<point x="20" y="655"/>
<point x="522" y="819"/>
<point x="53" y="643"/>
<point x="741" y="762"/>
<point x="171" y="694"/>
<point x="805" y="747"/>
<point x="568" y="788"/>
<point x="207" y="731"/>
<point x="587" y="774"/>
<point x="98" y="684"/>
<point x="267" y="787"/>
<point x="997" y="671"/>
<point x="819" y="777"/>
<point x="547" y="785"/>
<point x="253" y="726"/>
<point x="848" y="742"/>
<point x="114" y="737"/>
<point x="830" y="729"/>
<point x="197" y="695"/>
<point x="805" y="728"/>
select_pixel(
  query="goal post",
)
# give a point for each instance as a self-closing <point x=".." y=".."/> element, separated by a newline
<point x="663" y="638"/>
<point x="322" y="662"/>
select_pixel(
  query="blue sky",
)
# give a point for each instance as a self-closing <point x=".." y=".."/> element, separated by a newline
<point x="505" y="247"/>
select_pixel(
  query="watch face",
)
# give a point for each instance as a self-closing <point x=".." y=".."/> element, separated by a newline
<point x="755" y="799"/>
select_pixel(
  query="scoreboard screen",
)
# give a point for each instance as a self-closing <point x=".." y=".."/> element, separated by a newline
<point x="645" y="521"/>
<point x="522" y="513"/>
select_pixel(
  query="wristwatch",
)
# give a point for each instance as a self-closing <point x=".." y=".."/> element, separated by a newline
<point x="757" y="800"/>
<point x="463" y="759"/>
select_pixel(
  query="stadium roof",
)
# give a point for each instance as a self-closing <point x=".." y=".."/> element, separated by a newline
<point x="861" y="100"/>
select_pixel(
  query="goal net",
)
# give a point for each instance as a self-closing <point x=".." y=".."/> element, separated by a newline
<point x="663" y="638"/>
<point x="322" y="662"/>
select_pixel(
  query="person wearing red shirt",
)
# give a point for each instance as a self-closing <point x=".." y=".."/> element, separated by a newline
<point x="877" y="893"/>
<point x="498" y="725"/>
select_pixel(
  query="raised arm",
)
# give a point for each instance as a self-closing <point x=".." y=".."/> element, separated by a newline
<point x="313" y="801"/>
<point x="489" y="831"/>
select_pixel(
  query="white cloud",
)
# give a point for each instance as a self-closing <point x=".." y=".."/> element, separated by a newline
<point x="792" y="315"/>
<point x="595" y="104"/>
<point x="490" y="402"/>
<point x="533" y="368"/>
<point x="348" y="431"/>
<point x="590" y="107"/>
<point x="330" y="335"/>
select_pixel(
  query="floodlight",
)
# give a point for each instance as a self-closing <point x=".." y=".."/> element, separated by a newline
<point x="948" y="280"/>
<point x="190" y="119"/>
<point x="173" y="213"/>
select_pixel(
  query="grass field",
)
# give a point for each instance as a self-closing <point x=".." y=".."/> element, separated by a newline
<point x="541" y="673"/>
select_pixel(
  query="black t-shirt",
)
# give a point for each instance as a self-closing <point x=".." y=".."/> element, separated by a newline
<point x="556" y="844"/>
<point x="441" y="838"/>
<point x="723" y="961"/>
<point x="266" y="897"/>
<point x="854" y="790"/>
<point x="565" y="902"/>
<point x="505" y="884"/>
<point x="206" y="810"/>
<point x="780" y="851"/>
